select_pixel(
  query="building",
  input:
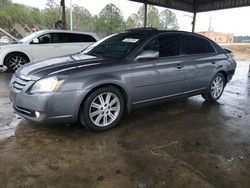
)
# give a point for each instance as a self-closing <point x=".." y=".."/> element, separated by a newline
<point x="218" y="37"/>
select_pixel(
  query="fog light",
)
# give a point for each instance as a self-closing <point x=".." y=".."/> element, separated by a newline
<point x="37" y="114"/>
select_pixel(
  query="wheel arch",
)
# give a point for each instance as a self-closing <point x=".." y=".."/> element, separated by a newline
<point x="123" y="91"/>
<point x="15" y="52"/>
<point x="224" y="73"/>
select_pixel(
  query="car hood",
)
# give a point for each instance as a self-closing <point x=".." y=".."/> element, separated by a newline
<point x="11" y="45"/>
<point x="36" y="70"/>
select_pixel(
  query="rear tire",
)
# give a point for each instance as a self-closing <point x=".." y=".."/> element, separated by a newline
<point x="15" y="60"/>
<point x="102" y="110"/>
<point x="215" y="89"/>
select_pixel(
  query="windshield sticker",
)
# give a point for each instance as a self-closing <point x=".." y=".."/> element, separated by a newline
<point x="130" y="40"/>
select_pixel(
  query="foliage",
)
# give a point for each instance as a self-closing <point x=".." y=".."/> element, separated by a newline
<point x="81" y="18"/>
<point x="168" y="19"/>
<point x="164" y="20"/>
<point x="110" y="19"/>
<point x="133" y="21"/>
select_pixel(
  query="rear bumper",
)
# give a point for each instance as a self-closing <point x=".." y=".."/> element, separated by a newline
<point x="230" y="75"/>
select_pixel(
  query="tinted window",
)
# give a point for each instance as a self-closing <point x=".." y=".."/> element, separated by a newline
<point x="65" y="38"/>
<point x="195" y="45"/>
<point x="51" y="38"/>
<point x="167" y="45"/>
<point x="44" y="39"/>
<point x="86" y="38"/>
<point x="80" y="38"/>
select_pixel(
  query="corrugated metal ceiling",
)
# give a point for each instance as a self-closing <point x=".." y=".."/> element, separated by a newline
<point x="197" y="5"/>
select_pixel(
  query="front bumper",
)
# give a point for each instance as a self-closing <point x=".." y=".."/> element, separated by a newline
<point x="52" y="107"/>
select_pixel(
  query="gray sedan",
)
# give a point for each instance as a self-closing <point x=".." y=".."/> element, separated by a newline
<point x="119" y="73"/>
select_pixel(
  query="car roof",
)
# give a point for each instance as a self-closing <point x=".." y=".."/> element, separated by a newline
<point x="153" y="32"/>
<point x="150" y="30"/>
<point x="66" y="31"/>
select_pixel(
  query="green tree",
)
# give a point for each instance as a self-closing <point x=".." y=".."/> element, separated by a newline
<point x="164" y="20"/>
<point x="133" y="21"/>
<point x="169" y="20"/>
<point x="82" y="19"/>
<point x="12" y="14"/>
<point x="153" y="17"/>
<point x="110" y="20"/>
<point x="4" y="3"/>
<point x="37" y="18"/>
<point x="51" y="13"/>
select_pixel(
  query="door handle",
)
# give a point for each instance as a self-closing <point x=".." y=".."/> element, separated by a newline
<point x="213" y="62"/>
<point x="179" y="66"/>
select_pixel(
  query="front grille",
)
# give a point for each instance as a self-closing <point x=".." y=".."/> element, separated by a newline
<point x="17" y="83"/>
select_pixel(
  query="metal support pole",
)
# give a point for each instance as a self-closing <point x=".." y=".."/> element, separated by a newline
<point x="63" y="14"/>
<point x="145" y="14"/>
<point x="193" y="23"/>
<point x="71" y="17"/>
<point x="194" y="16"/>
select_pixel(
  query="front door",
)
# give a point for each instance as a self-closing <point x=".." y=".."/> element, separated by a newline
<point x="49" y="46"/>
<point x="159" y="77"/>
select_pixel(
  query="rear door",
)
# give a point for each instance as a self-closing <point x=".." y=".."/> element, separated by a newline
<point x="160" y="77"/>
<point x="199" y="61"/>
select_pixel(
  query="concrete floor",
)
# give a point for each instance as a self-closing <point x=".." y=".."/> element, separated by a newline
<point x="200" y="145"/>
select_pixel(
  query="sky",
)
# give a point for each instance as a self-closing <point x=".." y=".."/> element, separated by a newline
<point x="228" y="21"/>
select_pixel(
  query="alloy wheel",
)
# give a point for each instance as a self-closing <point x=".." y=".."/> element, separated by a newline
<point x="104" y="109"/>
<point x="217" y="87"/>
<point x="16" y="61"/>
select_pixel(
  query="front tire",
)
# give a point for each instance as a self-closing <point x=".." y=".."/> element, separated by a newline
<point x="15" y="60"/>
<point x="215" y="89"/>
<point x="102" y="110"/>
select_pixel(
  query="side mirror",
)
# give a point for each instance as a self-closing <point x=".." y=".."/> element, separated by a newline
<point x="148" y="54"/>
<point x="35" y="41"/>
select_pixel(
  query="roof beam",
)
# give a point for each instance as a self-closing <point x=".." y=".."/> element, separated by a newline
<point x="202" y="5"/>
<point x="211" y="5"/>
<point x="184" y="5"/>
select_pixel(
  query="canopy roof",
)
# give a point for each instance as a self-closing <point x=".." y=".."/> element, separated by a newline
<point x="197" y="5"/>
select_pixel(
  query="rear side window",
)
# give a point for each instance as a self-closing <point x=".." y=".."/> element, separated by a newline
<point x="196" y="45"/>
<point x="167" y="45"/>
<point x="80" y="38"/>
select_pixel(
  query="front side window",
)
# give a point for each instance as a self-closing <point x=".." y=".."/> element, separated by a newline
<point x="195" y="45"/>
<point x="44" y="39"/>
<point x="117" y="46"/>
<point x="166" y="46"/>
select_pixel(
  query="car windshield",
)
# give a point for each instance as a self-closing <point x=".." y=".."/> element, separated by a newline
<point x="116" y="46"/>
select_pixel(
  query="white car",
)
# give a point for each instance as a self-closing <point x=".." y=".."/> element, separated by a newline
<point x="43" y="45"/>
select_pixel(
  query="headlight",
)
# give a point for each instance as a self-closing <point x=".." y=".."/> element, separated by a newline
<point x="46" y="85"/>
